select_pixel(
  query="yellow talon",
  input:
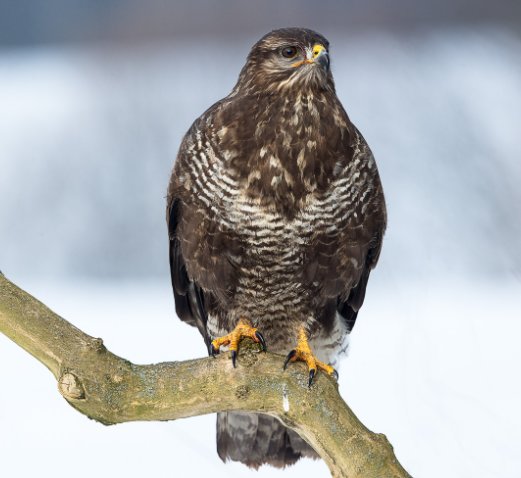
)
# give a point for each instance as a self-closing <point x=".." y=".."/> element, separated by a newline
<point x="304" y="353"/>
<point x="242" y="329"/>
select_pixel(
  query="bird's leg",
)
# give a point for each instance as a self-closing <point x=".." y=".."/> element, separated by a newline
<point x="303" y="353"/>
<point x="243" y="328"/>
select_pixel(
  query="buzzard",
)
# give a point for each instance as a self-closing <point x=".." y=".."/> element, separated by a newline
<point x="275" y="217"/>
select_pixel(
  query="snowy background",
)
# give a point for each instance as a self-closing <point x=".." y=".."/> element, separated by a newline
<point x="89" y="130"/>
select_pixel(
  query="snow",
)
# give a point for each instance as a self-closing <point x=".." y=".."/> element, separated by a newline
<point x="432" y="365"/>
<point x="87" y="141"/>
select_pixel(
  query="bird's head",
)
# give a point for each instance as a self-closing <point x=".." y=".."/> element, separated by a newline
<point x="287" y="59"/>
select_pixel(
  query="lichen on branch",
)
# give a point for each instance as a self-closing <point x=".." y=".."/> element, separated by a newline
<point x="111" y="390"/>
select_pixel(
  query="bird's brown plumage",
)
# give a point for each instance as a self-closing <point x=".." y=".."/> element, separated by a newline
<point x="276" y="213"/>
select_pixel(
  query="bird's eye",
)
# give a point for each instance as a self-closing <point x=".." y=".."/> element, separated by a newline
<point x="289" y="52"/>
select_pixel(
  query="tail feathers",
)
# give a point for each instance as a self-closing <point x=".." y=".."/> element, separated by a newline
<point x="257" y="440"/>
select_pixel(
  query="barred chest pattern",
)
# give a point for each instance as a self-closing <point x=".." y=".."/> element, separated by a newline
<point x="279" y="231"/>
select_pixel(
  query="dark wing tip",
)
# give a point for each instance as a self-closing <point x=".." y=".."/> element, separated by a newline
<point x="189" y="297"/>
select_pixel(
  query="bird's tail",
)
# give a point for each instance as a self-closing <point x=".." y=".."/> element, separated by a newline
<point x="255" y="440"/>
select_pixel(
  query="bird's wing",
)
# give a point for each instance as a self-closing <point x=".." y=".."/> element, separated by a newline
<point x="189" y="297"/>
<point x="341" y="268"/>
<point x="341" y="257"/>
<point x="348" y="307"/>
<point x="370" y="236"/>
<point x="203" y="248"/>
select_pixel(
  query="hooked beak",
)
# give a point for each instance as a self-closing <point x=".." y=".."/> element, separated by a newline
<point x="318" y="55"/>
<point x="323" y="59"/>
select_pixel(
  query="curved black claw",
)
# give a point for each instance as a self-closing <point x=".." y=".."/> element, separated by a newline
<point x="212" y="350"/>
<point x="288" y="358"/>
<point x="234" y="358"/>
<point x="260" y="337"/>
<point x="335" y="374"/>
<point x="311" y="376"/>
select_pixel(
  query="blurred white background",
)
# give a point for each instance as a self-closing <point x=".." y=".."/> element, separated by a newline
<point x="94" y="100"/>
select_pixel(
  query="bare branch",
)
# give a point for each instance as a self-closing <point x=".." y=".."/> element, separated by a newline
<point x="110" y="389"/>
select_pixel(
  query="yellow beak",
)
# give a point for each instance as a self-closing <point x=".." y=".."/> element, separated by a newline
<point x="318" y="53"/>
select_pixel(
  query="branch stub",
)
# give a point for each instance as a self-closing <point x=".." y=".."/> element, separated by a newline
<point x="70" y="387"/>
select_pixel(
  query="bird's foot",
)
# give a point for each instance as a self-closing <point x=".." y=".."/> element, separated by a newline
<point x="243" y="329"/>
<point x="304" y="353"/>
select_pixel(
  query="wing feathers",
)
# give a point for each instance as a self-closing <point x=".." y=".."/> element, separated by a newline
<point x="349" y="308"/>
<point x="189" y="297"/>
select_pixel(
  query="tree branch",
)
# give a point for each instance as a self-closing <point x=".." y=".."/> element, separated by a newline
<point x="110" y="389"/>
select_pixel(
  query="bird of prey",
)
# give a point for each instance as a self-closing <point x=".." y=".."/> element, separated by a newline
<point x="276" y="216"/>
